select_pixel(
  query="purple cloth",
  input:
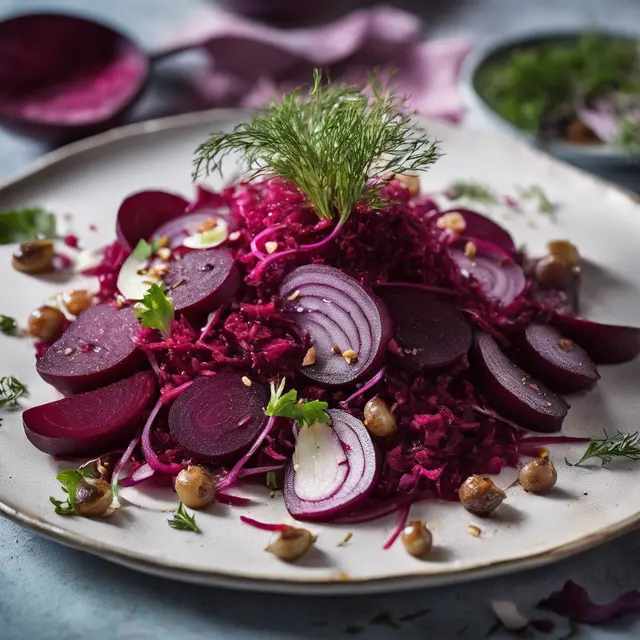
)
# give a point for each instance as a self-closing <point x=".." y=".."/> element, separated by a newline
<point x="252" y="63"/>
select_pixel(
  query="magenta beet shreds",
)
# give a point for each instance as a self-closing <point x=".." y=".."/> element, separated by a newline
<point x="441" y="440"/>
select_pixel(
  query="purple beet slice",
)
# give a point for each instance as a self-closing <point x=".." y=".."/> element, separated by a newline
<point x="340" y="318"/>
<point x="53" y="90"/>
<point x="605" y="343"/>
<point x="97" y="349"/>
<point x="91" y="423"/>
<point x="432" y="333"/>
<point x="564" y="366"/>
<point x="202" y="281"/>
<point x="513" y="393"/>
<point x="483" y="228"/>
<point x="219" y="417"/>
<point x="141" y="214"/>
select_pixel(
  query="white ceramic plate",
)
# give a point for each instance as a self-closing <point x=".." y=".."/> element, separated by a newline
<point x="590" y="505"/>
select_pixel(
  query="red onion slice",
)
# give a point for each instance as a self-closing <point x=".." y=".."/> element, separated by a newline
<point x="500" y="279"/>
<point x="357" y="484"/>
<point x="337" y="312"/>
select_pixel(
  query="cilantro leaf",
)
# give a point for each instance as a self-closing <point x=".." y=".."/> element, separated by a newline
<point x="8" y="325"/>
<point x="286" y="405"/>
<point x="156" y="309"/>
<point x="24" y="225"/>
<point x="144" y="250"/>
<point x="69" y="479"/>
<point x="183" y="520"/>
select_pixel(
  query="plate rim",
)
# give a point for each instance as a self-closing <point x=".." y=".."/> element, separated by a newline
<point x="339" y="584"/>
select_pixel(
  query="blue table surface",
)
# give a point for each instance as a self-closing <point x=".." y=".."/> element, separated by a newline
<point x="51" y="592"/>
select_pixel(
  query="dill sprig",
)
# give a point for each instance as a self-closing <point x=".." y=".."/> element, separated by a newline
<point x="338" y="145"/>
<point x="11" y="389"/>
<point x="183" y="520"/>
<point x="620" y="445"/>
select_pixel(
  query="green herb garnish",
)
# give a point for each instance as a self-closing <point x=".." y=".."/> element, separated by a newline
<point x="621" y="445"/>
<point x="286" y="405"/>
<point x="8" y="325"/>
<point x="183" y="521"/>
<point x="471" y="191"/>
<point x="339" y="145"/>
<point x="11" y="389"/>
<point x="24" y="225"/>
<point x="272" y="481"/>
<point x="144" y="250"/>
<point x="628" y="137"/>
<point x="535" y="192"/>
<point x="69" y="479"/>
<point x="156" y="309"/>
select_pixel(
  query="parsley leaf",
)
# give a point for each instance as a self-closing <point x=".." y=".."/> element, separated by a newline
<point x="8" y="325"/>
<point x="69" y="479"/>
<point x="183" y="520"/>
<point x="156" y="309"/>
<point x="286" y="405"/>
<point x="24" y="225"/>
<point x="144" y="250"/>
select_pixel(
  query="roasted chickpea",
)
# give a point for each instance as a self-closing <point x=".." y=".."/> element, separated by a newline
<point x="480" y="495"/>
<point x="564" y="250"/>
<point x="93" y="498"/>
<point x="77" y="301"/>
<point x="33" y="257"/>
<point x="417" y="539"/>
<point x="195" y="487"/>
<point x="553" y="272"/>
<point x="378" y="418"/>
<point x="291" y="543"/>
<point x="538" y="475"/>
<point x="46" y="323"/>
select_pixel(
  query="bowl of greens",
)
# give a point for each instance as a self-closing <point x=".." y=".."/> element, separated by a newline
<point x="576" y="95"/>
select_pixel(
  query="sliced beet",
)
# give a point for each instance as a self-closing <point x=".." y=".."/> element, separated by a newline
<point x="141" y="214"/>
<point x="340" y="317"/>
<point x="430" y="330"/>
<point x="202" y="281"/>
<point x="482" y="228"/>
<point x="351" y="481"/>
<point x="97" y="349"/>
<point x="605" y="343"/>
<point x="91" y="423"/>
<point x="501" y="280"/>
<point x="218" y="417"/>
<point x="559" y="362"/>
<point x="514" y="393"/>
<point x="53" y="90"/>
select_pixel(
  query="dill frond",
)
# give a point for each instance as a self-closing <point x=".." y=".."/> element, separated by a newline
<point x="339" y="145"/>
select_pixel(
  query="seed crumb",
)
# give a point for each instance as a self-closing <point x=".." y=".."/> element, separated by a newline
<point x="566" y="344"/>
<point x="245" y="381"/>
<point x="234" y="235"/>
<point x="294" y="295"/>
<point x="470" y="250"/>
<point x="336" y="349"/>
<point x="309" y="357"/>
<point x="160" y="270"/>
<point x="270" y="246"/>
<point x="296" y="467"/>
<point x="346" y="539"/>
<point x="68" y="351"/>
<point x="164" y="242"/>
<point x="350" y="356"/>
<point x="414" y="352"/>
<point x="164" y="253"/>
<point x="474" y="531"/>
<point x="208" y="225"/>
<point x="120" y="302"/>
<point x="177" y="284"/>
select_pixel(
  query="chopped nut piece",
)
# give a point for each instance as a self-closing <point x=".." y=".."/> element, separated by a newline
<point x="350" y="356"/>
<point x="414" y="352"/>
<point x="336" y="349"/>
<point x="412" y="183"/>
<point x="470" y="250"/>
<point x="270" y="247"/>
<point x="291" y="543"/>
<point x="164" y="242"/>
<point x="566" y="344"/>
<point x="159" y="270"/>
<point x="234" y="235"/>
<point x="208" y="225"/>
<point x="245" y="381"/>
<point x="164" y="253"/>
<point x="474" y="531"/>
<point x="68" y="351"/>
<point x="309" y="357"/>
<point x="120" y="301"/>
<point x="453" y="221"/>
<point x="293" y="295"/>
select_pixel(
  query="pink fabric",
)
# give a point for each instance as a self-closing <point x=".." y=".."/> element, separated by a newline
<point x="252" y="63"/>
